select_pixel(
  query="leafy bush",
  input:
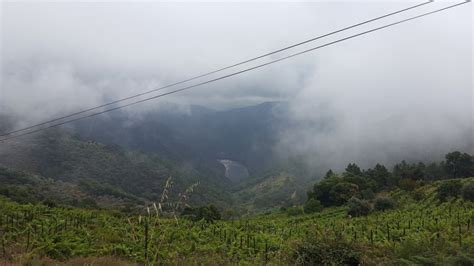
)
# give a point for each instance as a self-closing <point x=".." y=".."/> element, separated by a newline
<point x="367" y="194"/>
<point x="312" y="205"/>
<point x="50" y="203"/>
<point x="384" y="203"/>
<point x="208" y="213"/>
<point x="448" y="190"/>
<point x="322" y="190"/>
<point x="358" y="207"/>
<point x="418" y="195"/>
<point x="328" y="252"/>
<point x="467" y="192"/>
<point x="343" y="191"/>
<point x="294" y="211"/>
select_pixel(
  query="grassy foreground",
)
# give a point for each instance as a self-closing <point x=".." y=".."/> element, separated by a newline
<point x="419" y="231"/>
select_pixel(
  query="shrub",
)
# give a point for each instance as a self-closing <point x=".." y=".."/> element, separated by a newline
<point x="342" y="192"/>
<point x="312" y="205"/>
<point x="418" y="195"/>
<point x="467" y="192"/>
<point x="50" y="203"/>
<point x="358" y="207"/>
<point x="367" y="194"/>
<point x="384" y="203"/>
<point x="328" y="252"/>
<point x="294" y="211"/>
<point x="208" y="213"/>
<point x="448" y="189"/>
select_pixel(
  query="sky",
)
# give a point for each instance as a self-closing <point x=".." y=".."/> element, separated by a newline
<point x="405" y="91"/>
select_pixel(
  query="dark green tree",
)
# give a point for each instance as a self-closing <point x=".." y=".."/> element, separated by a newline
<point x="208" y="213"/>
<point x="459" y="164"/>
<point x="312" y="205"/>
<point x="467" y="191"/>
<point x="353" y="169"/>
<point x="322" y="191"/>
<point x="380" y="175"/>
<point x="384" y="203"/>
<point x="342" y="192"/>
<point x="329" y="174"/>
<point x="358" y="207"/>
<point x="435" y="171"/>
<point x="449" y="189"/>
<point x="403" y="170"/>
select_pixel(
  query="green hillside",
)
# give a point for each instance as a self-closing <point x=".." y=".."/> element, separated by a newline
<point x="419" y="230"/>
<point x="270" y="192"/>
<point x="104" y="170"/>
<point x="116" y="177"/>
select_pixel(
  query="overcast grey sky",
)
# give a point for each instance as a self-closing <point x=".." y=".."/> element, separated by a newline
<point x="406" y="85"/>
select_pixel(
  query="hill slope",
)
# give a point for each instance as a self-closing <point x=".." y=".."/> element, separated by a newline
<point x="107" y="169"/>
<point x="246" y="135"/>
<point x="418" y="231"/>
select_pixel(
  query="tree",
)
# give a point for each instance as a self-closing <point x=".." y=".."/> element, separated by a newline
<point x="384" y="203"/>
<point x="312" y="205"/>
<point x="353" y="169"/>
<point x="208" y="213"/>
<point x="322" y="190"/>
<point x="367" y="194"/>
<point x="342" y="192"/>
<point x="380" y="175"/>
<point x="459" y="164"/>
<point x="467" y="192"/>
<point x="361" y="181"/>
<point x="435" y="171"/>
<point x="358" y="207"/>
<point x="329" y="174"/>
<point x="448" y="189"/>
<point x="403" y="170"/>
<point x="294" y="211"/>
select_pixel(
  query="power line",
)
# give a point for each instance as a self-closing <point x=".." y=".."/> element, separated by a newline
<point x="241" y="71"/>
<point x="216" y="71"/>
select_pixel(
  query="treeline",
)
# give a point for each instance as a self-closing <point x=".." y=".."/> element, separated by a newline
<point x="338" y="189"/>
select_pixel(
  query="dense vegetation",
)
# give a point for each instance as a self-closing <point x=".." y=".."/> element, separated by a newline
<point x="417" y="230"/>
<point x="78" y="199"/>
<point x="355" y="185"/>
<point x="111" y="175"/>
<point x="115" y="177"/>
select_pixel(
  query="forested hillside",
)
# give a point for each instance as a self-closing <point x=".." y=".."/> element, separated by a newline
<point x="80" y="201"/>
<point x="113" y="175"/>
<point x="105" y="170"/>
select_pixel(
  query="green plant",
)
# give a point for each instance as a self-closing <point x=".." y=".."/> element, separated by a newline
<point x="358" y="207"/>
<point x="467" y="192"/>
<point x="316" y="251"/>
<point x="294" y="211"/>
<point x="384" y="203"/>
<point x="312" y="205"/>
<point x="418" y="195"/>
<point x="208" y="213"/>
<point x="449" y="189"/>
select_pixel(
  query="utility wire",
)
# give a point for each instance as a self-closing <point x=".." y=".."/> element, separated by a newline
<point x="216" y="71"/>
<point x="242" y="71"/>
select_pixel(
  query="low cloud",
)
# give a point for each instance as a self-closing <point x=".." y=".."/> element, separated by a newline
<point x="405" y="92"/>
